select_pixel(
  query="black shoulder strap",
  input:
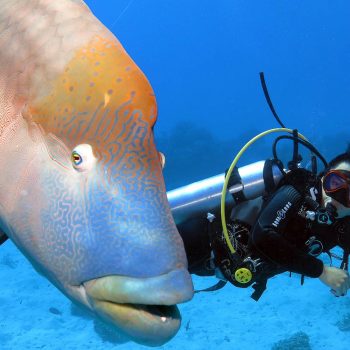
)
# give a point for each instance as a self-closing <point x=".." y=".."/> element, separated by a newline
<point x="235" y="179"/>
<point x="269" y="180"/>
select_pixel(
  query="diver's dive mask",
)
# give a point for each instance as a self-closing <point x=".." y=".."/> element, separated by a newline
<point x="336" y="184"/>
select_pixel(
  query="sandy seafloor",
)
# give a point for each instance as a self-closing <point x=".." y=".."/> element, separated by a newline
<point x="34" y="315"/>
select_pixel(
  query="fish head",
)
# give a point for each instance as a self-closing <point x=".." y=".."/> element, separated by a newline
<point x="90" y="209"/>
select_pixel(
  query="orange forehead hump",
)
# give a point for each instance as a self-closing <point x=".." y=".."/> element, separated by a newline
<point x="100" y="93"/>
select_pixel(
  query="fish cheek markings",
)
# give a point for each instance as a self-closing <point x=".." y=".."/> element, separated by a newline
<point x="98" y="104"/>
<point x="63" y="222"/>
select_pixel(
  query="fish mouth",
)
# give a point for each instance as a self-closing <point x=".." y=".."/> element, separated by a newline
<point x="142" y="308"/>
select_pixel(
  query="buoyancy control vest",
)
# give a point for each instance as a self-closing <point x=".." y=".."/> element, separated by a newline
<point x="246" y="267"/>
<point x="196" y="210"/>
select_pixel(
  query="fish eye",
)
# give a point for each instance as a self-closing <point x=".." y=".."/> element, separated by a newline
<point x="76" y="158"/>
<point x="82" y="157"/>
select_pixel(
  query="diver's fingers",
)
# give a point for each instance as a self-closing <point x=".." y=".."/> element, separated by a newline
<point x="337" y="293"/>
<point x="344" y="288"/>
<point x="348" y="280"/>
<point x="341" y="287"/>
<point x="346" y="284"/>
<point x="341" y="291"/>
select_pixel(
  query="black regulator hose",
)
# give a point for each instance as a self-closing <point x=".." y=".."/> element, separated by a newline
<point x="268" y="99"/>
<point x="305" y="143"/>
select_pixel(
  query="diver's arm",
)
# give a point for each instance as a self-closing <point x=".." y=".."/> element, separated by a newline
<point x="266" y="236"/>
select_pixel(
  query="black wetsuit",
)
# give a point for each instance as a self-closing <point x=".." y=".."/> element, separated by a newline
<point x="284" y="235"/>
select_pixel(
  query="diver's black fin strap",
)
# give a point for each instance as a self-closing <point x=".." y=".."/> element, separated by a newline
<point x="213" y="288"/>
<point x="259" y="288"/>
<point x="3" y="237"/>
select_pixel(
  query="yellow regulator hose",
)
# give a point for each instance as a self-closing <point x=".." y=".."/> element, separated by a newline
<point x="229" y="172"/>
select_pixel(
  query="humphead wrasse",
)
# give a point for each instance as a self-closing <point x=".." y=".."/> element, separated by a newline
<point x="81" y="188"/>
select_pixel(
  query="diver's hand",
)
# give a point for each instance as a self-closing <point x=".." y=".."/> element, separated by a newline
<point x="337" y="279"/>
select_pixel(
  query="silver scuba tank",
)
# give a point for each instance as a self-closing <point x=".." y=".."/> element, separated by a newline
<point x="202" y="197"/>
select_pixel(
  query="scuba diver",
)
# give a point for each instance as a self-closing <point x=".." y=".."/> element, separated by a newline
<point x="284" y="230"/>
<point x="304" y="218"/>
<point x="280" y="220"/>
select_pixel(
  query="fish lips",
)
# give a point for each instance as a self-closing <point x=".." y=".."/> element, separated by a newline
<point x="143" y="308"/>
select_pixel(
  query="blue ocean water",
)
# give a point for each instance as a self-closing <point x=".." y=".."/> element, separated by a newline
<point x="203" y="60"/>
